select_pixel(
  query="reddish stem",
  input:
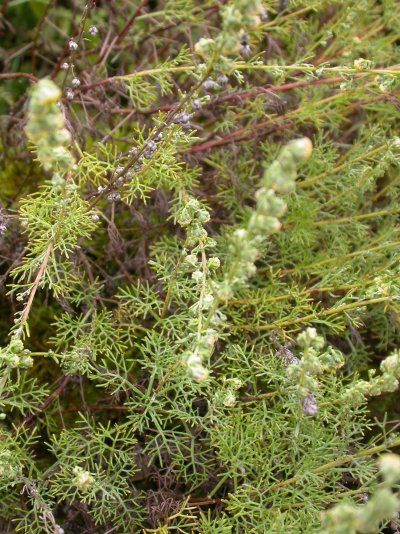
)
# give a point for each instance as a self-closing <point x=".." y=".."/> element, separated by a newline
<point x="117" y="40"/>
<point x="8" y="75"/>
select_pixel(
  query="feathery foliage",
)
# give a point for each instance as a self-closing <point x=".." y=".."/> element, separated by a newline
<point x="199" y="250"/>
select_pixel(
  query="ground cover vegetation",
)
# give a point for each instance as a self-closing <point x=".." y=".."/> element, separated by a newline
<point x="199" y="266"/>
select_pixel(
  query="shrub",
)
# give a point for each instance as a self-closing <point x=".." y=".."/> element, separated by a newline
<point x="199" y="252"/>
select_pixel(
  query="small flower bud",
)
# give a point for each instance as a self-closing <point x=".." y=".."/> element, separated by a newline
<point x="240" y="234"/>
<point x="236" y="383"/>
<point x="389" y="465"/>
<point x="151" y="145"/>
<point x="197" y="276"/>
<point x="214" y="263"/>
<point x="113" y="197"/>
<point x="301" y="148"/>
<point x="229" y="399"/>
<point x="309" y="405"/>
<point x="222" y="79"/>
<point x="208" y="301"/>
<point x="203" y="216"/>
<point x="204" y="47"/>
<point x="195" y="367"/>
<point x="391" y="365"/>
<point x="25" y="362"/>
<point x="14" y="361"/>
<point x="362" y="64"/>
<point x="83" y="480"/>
<point x="46" y="93"/>
<point x="309" y="337"/>
<point x="210" y="85"/>
<point x="197" y="104"/>
<point x="191" y="259"/>
<point x="72" y="44"/>
<point x="16" y="346"/>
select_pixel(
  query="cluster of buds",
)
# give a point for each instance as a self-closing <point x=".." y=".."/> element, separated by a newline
<point x="199" y="271"/>
<point x="387" y="381"/>
<point x="244" y="252"/>
<point x="10" y="470"/>
<point x="122" y="178"/>
<point x="183" y="119"/>
<point x="193" y="216"/>
<point x="150" y="146"/>
<point x="132" y="153"/>
<point x="281" y="175"/>
<point x="227" y="395"/>
<point x="386" y="82"/>
<point x="122" y="173"/>
<point x="114" y="196"/>
<point x="363" y="64"/>
<point x="77" y="360"/>
<point x="199" y="103"/>
<point x="203" y="348"/>
<point x="211" y="85"/>
<point x="83" y="480"/>
<point x="46" y="127"/>
<point x="278" y="178"/>
<point x="238" y="17"/>
<point x="314" y="362"/>
<point x="15" y="356"/>
<point x="382" y="506"/>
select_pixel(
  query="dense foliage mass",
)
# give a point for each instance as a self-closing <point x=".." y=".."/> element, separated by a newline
<point x="199" y="254"/>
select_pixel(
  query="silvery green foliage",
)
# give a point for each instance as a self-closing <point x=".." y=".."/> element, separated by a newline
<point x="278" y="178"/>
<point x="200" y="315"/>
